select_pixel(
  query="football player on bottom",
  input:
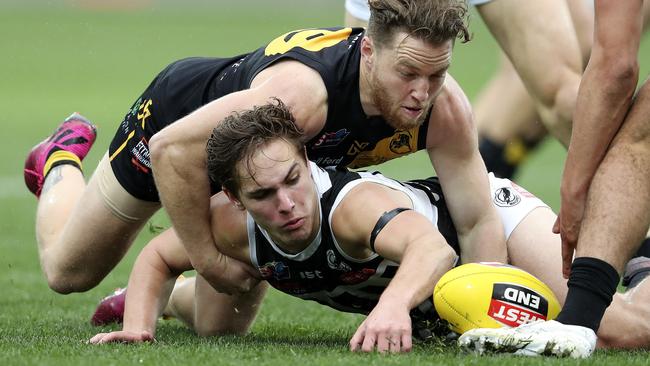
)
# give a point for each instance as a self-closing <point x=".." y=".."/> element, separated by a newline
<point x="354" y="241"/>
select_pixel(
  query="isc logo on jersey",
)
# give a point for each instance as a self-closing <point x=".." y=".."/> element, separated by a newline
<point x="492" y="295"/>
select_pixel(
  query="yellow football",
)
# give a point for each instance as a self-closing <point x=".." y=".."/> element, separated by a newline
<point x="492" y="295"/>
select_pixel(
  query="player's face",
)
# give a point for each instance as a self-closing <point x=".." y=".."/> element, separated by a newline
<point x="406" y="78"/>
<point x="277" y="190"/>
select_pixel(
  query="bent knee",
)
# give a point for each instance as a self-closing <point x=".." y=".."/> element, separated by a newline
<point x="65" y="281"/>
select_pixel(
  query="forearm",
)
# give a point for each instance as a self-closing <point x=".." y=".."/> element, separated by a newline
<point x="419" y="270"/>
<point x="603" y="102"/>
<point x="184" y="190"/>
<point x="606" y="91"/>
<point x="484" y="242"/>
<point x="150" y="285"/>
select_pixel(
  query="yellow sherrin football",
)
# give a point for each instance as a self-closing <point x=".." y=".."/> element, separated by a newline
<point x="492" y="295"/>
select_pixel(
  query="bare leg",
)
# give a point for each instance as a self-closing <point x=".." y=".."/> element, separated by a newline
<point x="533" y="247"/>
<point x="506" y="115"/>
<point x="618" y="207"/>
<point x="80" y="239"/>
<point x="209" y="312"/>
<point x="504" y="109"/>
<point x="625" y="323"/>
<point x="547" y="59"/>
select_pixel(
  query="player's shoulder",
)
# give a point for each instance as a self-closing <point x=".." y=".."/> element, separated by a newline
<point x="451" y="118"/>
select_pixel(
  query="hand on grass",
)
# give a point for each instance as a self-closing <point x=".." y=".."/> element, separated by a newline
<point x="122" y="336"/>
<point x="386" y="329"/>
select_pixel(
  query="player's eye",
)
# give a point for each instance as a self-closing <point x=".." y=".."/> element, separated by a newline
<point x="406" y="74"/>
<point x="260" y="195"/>
<point x="293" y="179"/>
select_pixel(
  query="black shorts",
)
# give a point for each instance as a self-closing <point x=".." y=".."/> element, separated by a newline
<point x="431" y="186"/>
<point x="179" y="89"/>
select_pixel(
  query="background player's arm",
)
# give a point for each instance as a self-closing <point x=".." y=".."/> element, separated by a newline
<point x="452" y="145"/>
<point x="604" y="98"/>
<point x="409" y="239"/>
<point x="179" y="159"/>
<point x="150" y="284"/>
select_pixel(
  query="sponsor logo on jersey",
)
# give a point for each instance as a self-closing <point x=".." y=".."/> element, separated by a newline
<point x="327" y="161"/>
<point x="355" y="277"/>
<point x="132" y="113"/>
<point x="311" y="275"/>
<point x="143" y="112"/>
<point x="401" y="143"/>
<point x="329" y="139"/>
<point x="357" y="147"/>
<point x="277" y="270"/>
<point x="334" y="263"/>
<point x="233" y="68"/>
<point x="514" y="305"/>
<point x="506" y="197"/>
<point x="140" y="156"/>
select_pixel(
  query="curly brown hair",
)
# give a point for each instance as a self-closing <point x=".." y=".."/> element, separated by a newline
<point x="434" y="21"/>
<point x="241" y="134"/>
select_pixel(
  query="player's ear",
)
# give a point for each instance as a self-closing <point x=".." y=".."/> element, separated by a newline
<point x="367" y="50"/>
<point x="233" y="199"/>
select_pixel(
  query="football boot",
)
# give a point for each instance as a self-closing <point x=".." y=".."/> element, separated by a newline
<point x="70" y="143"/>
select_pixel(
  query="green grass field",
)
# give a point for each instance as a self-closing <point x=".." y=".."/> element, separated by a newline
<point x="57" y="59"/>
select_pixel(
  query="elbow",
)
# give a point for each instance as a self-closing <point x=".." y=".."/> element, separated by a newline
<point x="160" y="146"/>
<point x="449" y="256"/>
<point x="165" y="150"/>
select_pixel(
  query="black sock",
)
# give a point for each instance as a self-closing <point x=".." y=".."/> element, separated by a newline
<point x="504" y="159"/>
<point x="494" y="157"/>
<point x="644" y="250"/>
<point x="592" y="285"/>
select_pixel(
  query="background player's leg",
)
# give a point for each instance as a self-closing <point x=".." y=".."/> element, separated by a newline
<point x="625" y="323"/>
<point x="506" y="120"/>
<point x="534" y="248"/>
<point x="547" y="59"/>
<point x="508" y="124"/>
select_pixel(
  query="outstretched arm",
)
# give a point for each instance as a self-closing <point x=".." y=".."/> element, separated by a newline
<point x="453" y="149"/>
<point x="409" y="239"/>
<point x="164" y="258"/>
<point x="604" y="98"/>
<point x="150" y="284"/>
<point x="179" y="158"/>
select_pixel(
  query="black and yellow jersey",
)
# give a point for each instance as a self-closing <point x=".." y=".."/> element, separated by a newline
<point x="349" y="137"/>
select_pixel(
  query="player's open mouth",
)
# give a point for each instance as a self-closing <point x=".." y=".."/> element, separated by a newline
<point x="412" y="111"/>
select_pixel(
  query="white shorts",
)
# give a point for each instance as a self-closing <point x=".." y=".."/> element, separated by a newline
<point x="359" y="8"/>
<point x="512" y="202"/>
